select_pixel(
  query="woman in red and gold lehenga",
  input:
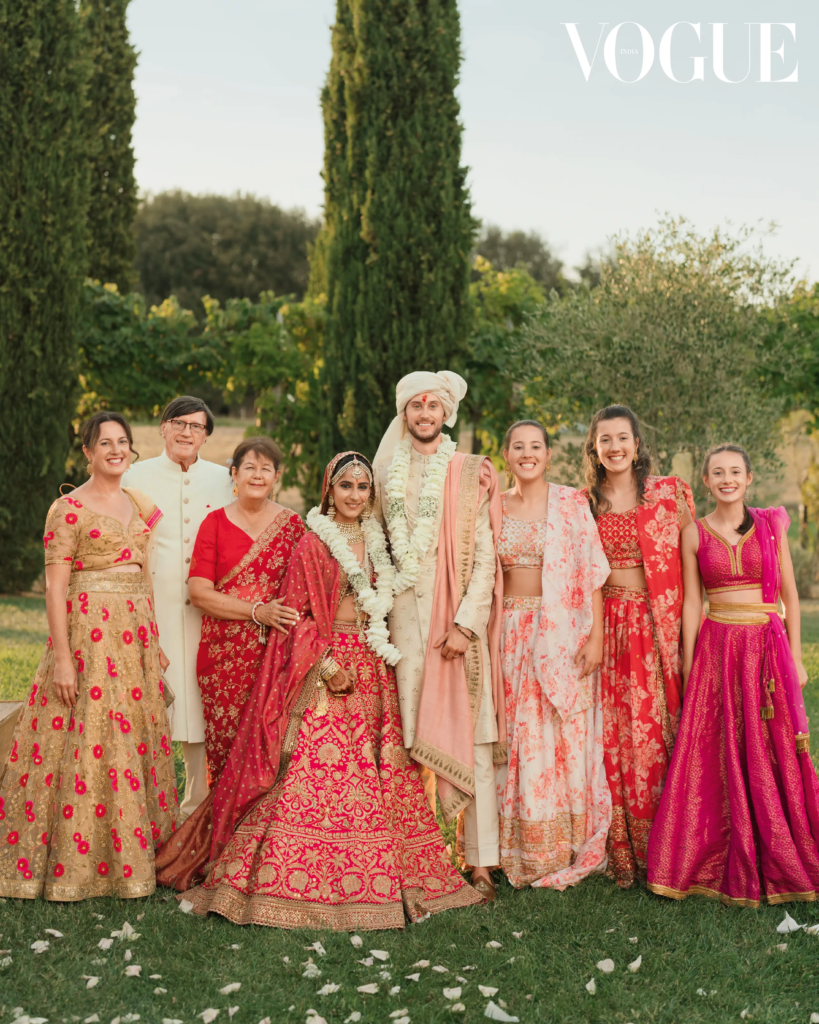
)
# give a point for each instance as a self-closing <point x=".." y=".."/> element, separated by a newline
<point x="320" y="818"/>
<point x="639" y="517"/>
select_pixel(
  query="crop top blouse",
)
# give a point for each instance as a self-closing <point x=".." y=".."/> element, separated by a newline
<point x="90" y="541"/>
<point x="621" y="541"/>
<point x="725" y="567"/>
<point x="521" y="541"/>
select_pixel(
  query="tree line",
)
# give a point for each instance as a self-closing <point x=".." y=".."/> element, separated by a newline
<point x="109" y="302"/>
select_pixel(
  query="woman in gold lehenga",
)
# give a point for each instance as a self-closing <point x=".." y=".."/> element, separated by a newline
<point x="88" y="789"/>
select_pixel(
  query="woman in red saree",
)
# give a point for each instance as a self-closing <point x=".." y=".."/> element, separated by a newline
<point x="320" y="818"/>
<point x="238" y="563"/>
<point x="639" y="517"/>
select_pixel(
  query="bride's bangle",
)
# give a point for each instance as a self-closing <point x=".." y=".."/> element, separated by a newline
<point x="253" y="613"/>
<point x="329" y="667"/>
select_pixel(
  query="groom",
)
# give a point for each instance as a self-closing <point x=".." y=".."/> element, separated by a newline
<point x="442" y="513"/>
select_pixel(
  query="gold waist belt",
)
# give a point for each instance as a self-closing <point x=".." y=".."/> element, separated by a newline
<point x="736" y="614"/>
<point x="108" y="583"/>
<point x="626" y="593"/>
<point x="522" y="603"/>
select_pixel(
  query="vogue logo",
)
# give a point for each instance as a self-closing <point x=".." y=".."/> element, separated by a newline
<point x="611" y="51"/>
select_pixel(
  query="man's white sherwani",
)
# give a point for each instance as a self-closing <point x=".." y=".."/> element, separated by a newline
<point x="410" y="622"/>
<point x="184" y="499"/>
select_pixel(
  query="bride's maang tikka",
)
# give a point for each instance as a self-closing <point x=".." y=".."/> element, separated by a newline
<point x="357" y="470"/>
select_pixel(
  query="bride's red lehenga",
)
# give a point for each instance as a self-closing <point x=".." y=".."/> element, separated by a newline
<point x="320" y="818"/>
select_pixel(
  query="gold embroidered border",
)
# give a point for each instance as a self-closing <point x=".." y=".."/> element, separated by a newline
<point x="740" y="614"/>
<point x="626" y="593"/>
<point x="102" y="582"/>
<point x="732" y="901"/>
<point x="665" y="718"/>
<point x="443" y="764"/>
<point x="500" y="753"/>
<point x="522" y="603"/>
<point x="415" y="901"/>
<point x="309" y="688"/>
<point x="258" y="545"/>
<point x="101" y="887"/>
<point x="467" y="514"/>
<point x="275" y="912"/>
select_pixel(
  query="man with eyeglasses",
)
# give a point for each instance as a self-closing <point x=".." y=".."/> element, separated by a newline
<point x="186" y="488"/>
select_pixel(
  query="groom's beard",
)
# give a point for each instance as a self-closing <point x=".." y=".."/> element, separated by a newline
<point x="425" y="438"/>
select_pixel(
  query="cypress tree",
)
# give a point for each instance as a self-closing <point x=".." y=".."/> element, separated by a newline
<point x="111" y="113"/>
<point x="393" y="254"/>
<point x="43" y="205"/>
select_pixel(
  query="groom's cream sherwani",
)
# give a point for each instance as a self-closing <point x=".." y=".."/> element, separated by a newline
<point x="410" y="622"/>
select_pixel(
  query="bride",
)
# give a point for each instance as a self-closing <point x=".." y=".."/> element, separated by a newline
<point x="320" y="818"/>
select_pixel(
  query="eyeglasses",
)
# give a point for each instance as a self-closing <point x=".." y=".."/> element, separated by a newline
<point x="180" y="426"/>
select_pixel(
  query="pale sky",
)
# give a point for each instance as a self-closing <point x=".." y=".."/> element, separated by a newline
<point x="228" y="100"/>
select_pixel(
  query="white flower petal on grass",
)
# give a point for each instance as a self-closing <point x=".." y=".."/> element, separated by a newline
<point x="99" y="917"/>
<point x="518" y="935"/>
<point x="232" y="1010"/>
<point x="812" y="930"/>
<point x="208" y="1015"/>
<point x="440" y="970"/>
<point x="310" y="970"/>
<point x="463" y="981"/>
<point x="368" y="990"/>
<point x="5" y="961"/>
<point x="235" y="945"/>
<point x="234" y="986"/>
<point x="170" y="1020"/>
<point x="18" y="1011"/>
<point x="610" y="930"/>
<point x="40" y="945"/>
<point x="367" y="961"/>
<point x="133" y="971"/>
<point x="701" y="992"/>
<point x="487" y="990"/>
<point x="264" y="1020"/>
<point x="635" y="965"/>
<point x="457" y="1007"/>
<point x="399" y="1013"/>
<point x="782" y="946"/>
<point x="386" y="975"/>
<point x="395" y="990"/>
<point x="128" y="955"/>
<point x="814" y="1018"/>
<point x="95" y="1017"/>
<point x="493" y="944"/>
<point x="633" y="939"/>
<point x="356" y="941"/>
<point x="354" y="1017"/>
<point x="186" y="907"/>
<point x="606" y="966"/>
<point x="125" y="932"/>
<point x="453" y="993"/>
<point x="380" y="954"/>
<point x="787" y="924"/>
<point x="591" y="987"/>
<point x="155" y="977"/>
<point x="318" y="948"/>
<point x="328" y="989"/>
<point x="54" y="932"/>
<point x="421" y="963"/>
<point x="105" y="943"/>
<point x="413" y="977"/>
<point x="99" y="961"/>
<point x="130" y="1018"/>
<point x="91" y="981"/>
<point x="494" y="1012"/>
<point x="285" y="959"/>
<point x="744" y="1013"/>
<point x="158" y="991"/>
<point x="470" y="967"/>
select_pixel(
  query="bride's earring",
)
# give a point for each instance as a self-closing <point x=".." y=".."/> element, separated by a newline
<point x="331" y="508"/>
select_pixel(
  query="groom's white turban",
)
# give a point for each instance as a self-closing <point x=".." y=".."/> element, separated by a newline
<point x="446" y="385"/>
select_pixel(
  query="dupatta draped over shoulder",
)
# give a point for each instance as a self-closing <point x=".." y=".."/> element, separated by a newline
<point x="451" y="695"/>
<point x="658" y="526"/>
<point x="574" y="566"/>
<point x="772" y="526"/>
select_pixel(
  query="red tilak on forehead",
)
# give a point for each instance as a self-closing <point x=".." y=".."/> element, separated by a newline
<point x="423" y="398"/>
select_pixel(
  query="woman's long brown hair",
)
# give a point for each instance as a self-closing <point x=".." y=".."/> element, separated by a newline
<point x="595" y="471"/>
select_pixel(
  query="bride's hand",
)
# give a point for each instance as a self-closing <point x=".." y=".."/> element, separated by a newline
<point x="341" y="683"/>
<point x="66" y="683"/>
<point x="277" y="615"/>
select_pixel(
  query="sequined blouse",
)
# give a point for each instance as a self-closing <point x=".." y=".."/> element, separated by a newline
<point x="521" y="541"/>
<point x="725" y="567"/>
<point x="90" y="541"/>
<point x="621" y="540"/>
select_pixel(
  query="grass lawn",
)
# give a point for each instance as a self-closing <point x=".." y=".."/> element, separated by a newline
<point x="731" y="955"/>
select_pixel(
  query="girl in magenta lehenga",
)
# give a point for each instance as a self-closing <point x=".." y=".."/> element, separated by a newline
<point x="739" y="816"/>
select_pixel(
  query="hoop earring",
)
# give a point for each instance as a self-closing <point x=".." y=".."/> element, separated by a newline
<point x="331" y="508"/>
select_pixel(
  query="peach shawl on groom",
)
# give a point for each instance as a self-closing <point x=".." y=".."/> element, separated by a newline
<point x="451" y="694"/>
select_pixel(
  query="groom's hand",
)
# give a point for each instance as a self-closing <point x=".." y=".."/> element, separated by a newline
<point x="454" y="644"/>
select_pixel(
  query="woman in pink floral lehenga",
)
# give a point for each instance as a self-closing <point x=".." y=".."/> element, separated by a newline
<point x="555" y="804"/>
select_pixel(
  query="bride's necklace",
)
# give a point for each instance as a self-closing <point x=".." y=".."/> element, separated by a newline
<point x="352" y="532"/>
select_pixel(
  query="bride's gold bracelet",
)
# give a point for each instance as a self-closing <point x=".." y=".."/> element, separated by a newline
<point x="329" y="667"/>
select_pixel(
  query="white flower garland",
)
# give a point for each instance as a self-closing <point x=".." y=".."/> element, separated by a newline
<point x="410" y="551"/>
<point x="375" y="601"/>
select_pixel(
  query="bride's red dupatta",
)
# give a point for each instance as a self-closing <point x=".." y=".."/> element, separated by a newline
<point x="312" y="587"/>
